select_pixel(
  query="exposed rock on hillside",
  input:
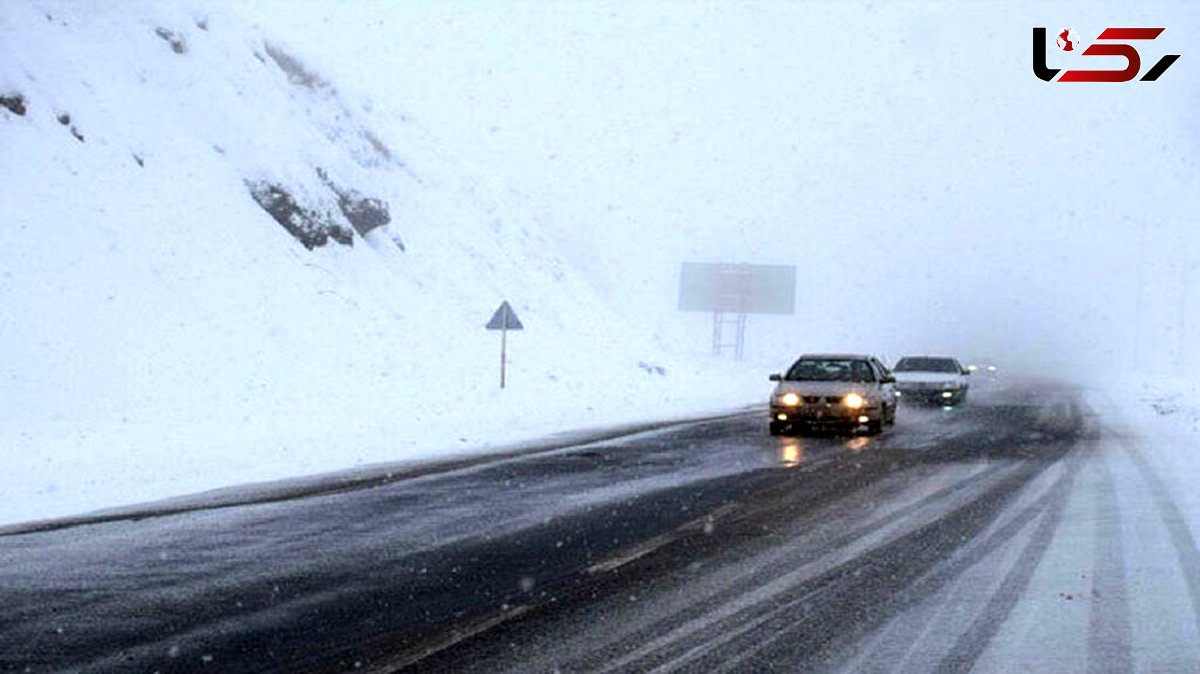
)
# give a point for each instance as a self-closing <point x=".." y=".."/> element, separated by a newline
<point x="297" y="73"/>
<point x="364" y="213"/>
<point x="178" y="44"/>
<point x="311" y="228"/>
<point x="15" y="103"/>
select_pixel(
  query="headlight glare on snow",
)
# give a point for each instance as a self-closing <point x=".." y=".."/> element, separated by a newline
<point x="854" y="401"/>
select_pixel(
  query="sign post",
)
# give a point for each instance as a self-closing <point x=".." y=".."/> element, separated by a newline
<point x="504" y="319"/>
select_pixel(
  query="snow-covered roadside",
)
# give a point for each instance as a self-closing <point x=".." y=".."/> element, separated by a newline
<point x="163" y="334"/>
<point x="1160" y="423"/>
<point x="1118" y="585"/>
<point x="1166" y="416"/>
<point x="98" y="467"/>
<point x="1172" y="405"/>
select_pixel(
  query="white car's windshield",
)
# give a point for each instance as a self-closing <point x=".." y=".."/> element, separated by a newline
<point x="946" y="365"/>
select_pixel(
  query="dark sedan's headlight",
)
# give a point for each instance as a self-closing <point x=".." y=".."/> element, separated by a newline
<point x="789" y="399"/>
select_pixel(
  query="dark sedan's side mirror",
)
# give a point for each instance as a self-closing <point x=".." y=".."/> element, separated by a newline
<point x="966" y="371"/>
<point x="889" y="379"/>
<point x="776" y="377"/>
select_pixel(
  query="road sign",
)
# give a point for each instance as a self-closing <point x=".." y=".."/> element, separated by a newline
<point x="504" y="319"/>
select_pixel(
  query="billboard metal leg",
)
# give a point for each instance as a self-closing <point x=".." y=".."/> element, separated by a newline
<point x="740" y="348"/>
<point x="716" y="336"/>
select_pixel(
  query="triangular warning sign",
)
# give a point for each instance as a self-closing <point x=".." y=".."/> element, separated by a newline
<point x="505" y="319"/>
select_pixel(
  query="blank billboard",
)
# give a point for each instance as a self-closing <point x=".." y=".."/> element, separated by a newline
<point x="738" y="288"/>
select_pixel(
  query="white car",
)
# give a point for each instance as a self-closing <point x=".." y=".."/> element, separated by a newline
<point x="833" y="392"/>
<point x="937" y="380"/>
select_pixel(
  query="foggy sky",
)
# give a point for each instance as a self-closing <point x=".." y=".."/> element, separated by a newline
<point x="934" y="194"/>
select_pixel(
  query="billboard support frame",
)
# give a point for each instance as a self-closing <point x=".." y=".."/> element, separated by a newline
<point x="731" y="292"/>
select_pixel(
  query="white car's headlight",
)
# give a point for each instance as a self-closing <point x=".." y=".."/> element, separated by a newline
<point x="790" y="399"/>
<point x="854" y="401"/>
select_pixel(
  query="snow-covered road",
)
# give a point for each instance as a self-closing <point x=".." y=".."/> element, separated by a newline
<point x="1081" y="558"/>
<point x="1041" y="527"/>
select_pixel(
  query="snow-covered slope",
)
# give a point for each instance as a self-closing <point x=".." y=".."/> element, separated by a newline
<point x="162" y="333"/>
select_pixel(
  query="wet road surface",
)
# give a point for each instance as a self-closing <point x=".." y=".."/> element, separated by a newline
<point x="709" y="546"/>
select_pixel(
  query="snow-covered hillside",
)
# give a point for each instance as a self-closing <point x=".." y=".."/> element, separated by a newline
<point x="162" y="333"/>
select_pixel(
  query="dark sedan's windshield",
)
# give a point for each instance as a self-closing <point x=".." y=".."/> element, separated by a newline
<point x="927" y="365"/>
<point x="813" y="369"/>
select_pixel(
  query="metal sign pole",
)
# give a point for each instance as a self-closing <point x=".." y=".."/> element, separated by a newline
<point x="503" y="351"/>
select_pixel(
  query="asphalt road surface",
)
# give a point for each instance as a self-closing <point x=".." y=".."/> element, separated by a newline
<point x="703" y="547"/>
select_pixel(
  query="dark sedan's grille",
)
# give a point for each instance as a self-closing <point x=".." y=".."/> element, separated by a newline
<point x="813" y="400"/>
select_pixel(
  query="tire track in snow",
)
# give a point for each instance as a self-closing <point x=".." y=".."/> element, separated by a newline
<point x="1173" y="519"/>
<point x="1110" y="634"/>
<point x="726" y="615"/>
<point x="781" y="636"/>
<point x="972" y="643"/>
